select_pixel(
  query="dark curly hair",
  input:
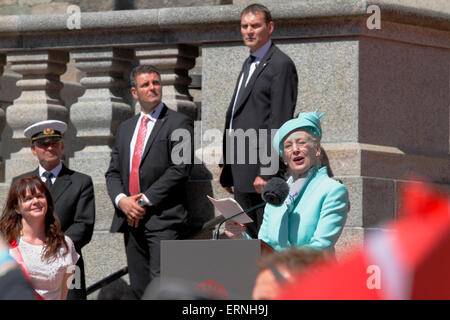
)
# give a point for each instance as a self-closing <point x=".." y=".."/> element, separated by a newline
<point x="11" y="220"/>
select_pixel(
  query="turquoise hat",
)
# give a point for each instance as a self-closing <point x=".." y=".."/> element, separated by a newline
<point x="307" y="120"/>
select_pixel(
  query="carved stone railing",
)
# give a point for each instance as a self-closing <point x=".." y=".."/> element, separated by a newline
<point x="2" y="118"/>
<point x="2" y="113"/>
<point x="385" y="92"/>
<point x="40" y="99"/>
<point x="102" y="107"/>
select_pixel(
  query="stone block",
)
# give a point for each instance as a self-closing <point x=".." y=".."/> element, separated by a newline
<point x="23" y="3"/>
<point x="327" y="74"/>
<point x="19" y="163"/>
<point x="403" y="96"/>
<point x="72" y="74"/>
<point x="8" y="2"/>
<point x="92" y="160"/>
<point x="2" y="168"/>
<point x="351" y="238"/>
<point x="104" y="208"/>
<point x="378" y="202"/>
<point x="354" y="186"/>
<point x="148" y="4"/>
<point x="218" y="81"/>
<point x="4" y="189"/>
<point x="89" y="6"/>
<point x="372" y="201"/>
<point x="199" y="207"/>
<point x="50" y="8"/>
<point x="104" y="255"/>
<point x="387" y="162"/>
<point x="71" y="92"/>
<point x="350" y="159"/>
<point x="10" y="10"/>
<point x="344" y="158"/>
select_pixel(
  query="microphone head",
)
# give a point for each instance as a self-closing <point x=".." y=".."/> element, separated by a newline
<point x="275" y="191"/>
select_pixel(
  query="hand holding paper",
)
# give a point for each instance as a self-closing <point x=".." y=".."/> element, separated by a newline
<point x="229" y="207"/>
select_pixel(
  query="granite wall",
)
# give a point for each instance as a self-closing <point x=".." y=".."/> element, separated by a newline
<point x="385" y="93"/>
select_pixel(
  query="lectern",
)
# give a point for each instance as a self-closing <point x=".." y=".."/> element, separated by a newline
<point x="221" y="269"/>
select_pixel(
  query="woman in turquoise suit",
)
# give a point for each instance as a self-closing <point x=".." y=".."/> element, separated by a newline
<point x="316" y="209"/>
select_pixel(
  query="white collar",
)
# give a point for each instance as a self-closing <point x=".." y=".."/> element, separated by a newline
<point x="55" y="171"/>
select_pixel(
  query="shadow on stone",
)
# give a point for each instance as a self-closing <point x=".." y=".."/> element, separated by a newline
<point x="117" y="290"/>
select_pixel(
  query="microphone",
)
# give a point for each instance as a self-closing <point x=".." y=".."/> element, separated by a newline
<point x="275" y="193"/>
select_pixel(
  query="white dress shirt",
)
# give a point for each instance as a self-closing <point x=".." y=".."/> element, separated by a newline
<point x="150" y="124"/>
<point x="55" y="171"/>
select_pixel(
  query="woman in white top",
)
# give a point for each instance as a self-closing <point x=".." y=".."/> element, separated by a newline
<point x="37" y="243"/>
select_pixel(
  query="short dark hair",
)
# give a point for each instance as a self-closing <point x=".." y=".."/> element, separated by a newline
<point x="256" y="7"/>
<point x="144" y="68"/>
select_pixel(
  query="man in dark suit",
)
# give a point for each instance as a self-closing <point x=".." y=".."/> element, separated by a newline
<point x="73" y="192"/>
<point x="264" y="98"/>
<point x="146" y="178"/>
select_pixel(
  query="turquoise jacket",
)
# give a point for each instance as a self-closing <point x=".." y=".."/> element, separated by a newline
<point x="319" y="215"/>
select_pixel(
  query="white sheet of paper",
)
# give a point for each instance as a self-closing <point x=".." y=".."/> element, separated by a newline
<point x="228" y="207"/>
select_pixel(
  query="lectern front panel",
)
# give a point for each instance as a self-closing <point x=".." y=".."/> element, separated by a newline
<point x="223" y="269"/>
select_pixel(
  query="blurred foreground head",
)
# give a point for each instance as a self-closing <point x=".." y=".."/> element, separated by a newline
<point x="281" y="267"/>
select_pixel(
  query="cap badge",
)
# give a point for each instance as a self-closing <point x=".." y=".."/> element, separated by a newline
<point x="48" y="132"/>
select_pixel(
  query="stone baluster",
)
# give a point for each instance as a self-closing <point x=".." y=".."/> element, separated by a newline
<point x="101" y="108"/>
<point x="40" y="100"/>
<point x="174" y="62"/>
<point x="2" y="118"/>
<point x="2" y="112"/>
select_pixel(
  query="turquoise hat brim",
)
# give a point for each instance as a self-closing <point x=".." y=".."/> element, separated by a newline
<point x="309" y="121"/>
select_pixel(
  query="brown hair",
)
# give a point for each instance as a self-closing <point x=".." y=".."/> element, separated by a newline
<point x="256" y="7"/>
<point x="140" y="70"/>
<point x="294" y="259"/>
<point x="11" y="220"/>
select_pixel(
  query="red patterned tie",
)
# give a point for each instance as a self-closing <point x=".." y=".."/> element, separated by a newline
<point x="136" y="161"/>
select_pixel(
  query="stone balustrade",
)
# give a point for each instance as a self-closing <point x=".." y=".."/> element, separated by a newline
<point x="385" y="93"/>
<point x="102" y="107"/>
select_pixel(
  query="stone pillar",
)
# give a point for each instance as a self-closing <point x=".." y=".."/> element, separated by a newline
<point x="2" y="119"/>
<point x="40" y="100"/>
<point x="101" y="109"/>
<point x="174" y="62"/>
<point x="2" y="113"/>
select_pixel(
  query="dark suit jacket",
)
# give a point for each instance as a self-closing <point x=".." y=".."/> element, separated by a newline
<point x="267" y="102"/>
<point x="15" y="286"/>
<point x="161" y="180"/>
<point x="73" y="193"/>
